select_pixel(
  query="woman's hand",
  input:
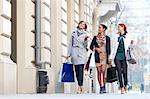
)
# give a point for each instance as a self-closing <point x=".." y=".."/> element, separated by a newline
<point x="99" y="50"/>
<point x="67" y="57"/>
<point x="86" y="38"/>
<point x="110" y="61"/>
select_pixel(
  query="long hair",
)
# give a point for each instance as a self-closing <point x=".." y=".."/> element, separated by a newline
<point x="80" y="23"/>
<point x="124" y="26"/>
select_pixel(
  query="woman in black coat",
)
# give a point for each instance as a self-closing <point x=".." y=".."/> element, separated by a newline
<point x="101" y="45"/>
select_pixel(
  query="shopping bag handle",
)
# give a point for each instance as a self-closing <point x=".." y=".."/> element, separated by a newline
<point x="67" y="60"/>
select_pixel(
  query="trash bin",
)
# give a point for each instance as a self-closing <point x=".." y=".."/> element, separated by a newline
<point x="43" y="81"/>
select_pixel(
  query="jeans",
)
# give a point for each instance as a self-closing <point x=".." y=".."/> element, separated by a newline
<point x="79" y="73"/>
<point x="121" y="66"/>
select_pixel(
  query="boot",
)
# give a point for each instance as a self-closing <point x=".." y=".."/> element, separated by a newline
<point x="104" y="89"/>
<point x="101" y="90"/>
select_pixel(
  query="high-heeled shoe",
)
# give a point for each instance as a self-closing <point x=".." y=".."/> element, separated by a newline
<point x="122" y="90"/>
<point x="125" y="89"/>
<point x="81" y="89"/>
<point x="78" y="92"/>
<point x="102" y="90"/>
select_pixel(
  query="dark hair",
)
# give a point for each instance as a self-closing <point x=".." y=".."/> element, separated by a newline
<point x="125" y="27"/>
<point x="104" y="26"/>
<point x="80" y="23"/>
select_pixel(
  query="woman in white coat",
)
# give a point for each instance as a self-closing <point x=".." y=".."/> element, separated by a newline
<point x="119" y="49"/>
<point x="78" y="52"/>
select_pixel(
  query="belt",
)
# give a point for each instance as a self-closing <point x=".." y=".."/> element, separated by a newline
<point x="76" y="46"/>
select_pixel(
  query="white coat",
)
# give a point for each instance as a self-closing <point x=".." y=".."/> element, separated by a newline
<point x="115" y="43"/>
<point x="77" y="48"/>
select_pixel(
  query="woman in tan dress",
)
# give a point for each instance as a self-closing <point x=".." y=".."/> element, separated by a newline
<point x="101" y="45"/>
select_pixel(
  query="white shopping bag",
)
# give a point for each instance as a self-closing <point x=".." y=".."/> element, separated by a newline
<point x="60" y="74"/>
<point x="92" y="60"/>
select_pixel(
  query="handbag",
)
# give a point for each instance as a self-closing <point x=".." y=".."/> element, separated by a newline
<point x="88" y="62"/>
<point x="130" y="57"/>
<point x="66" y="73"/>
<point x="92" y="60"/>
<point x="111" y="74"/>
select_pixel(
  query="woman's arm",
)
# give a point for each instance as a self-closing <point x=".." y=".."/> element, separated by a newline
<point x="85" y="43"/>
<point x="69" y="47"/>
<point x="109" y="46"/>
<point x="92" y="43"/>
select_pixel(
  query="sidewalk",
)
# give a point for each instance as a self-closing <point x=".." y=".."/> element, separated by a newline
<point x="76" y="96"/>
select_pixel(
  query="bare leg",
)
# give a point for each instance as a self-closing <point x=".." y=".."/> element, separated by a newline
<point x="99" y="74"/>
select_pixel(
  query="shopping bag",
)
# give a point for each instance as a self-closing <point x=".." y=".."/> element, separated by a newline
<point x="92" y="60"/>
<point x="130" y="57"/>
<point x="60" y="74"/>
<point x="88" y="62"/>
<point x="66" y="73"/>
<point x="111" y="74"/>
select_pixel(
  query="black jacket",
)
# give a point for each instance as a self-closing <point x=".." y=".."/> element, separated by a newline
<point x="95" y="44"/>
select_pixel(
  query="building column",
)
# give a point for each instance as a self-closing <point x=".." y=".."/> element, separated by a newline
<point x="95" y="21"/>
<point x="81" y="10"/>
<point x="26" y="70"/>
<point x="56" y="38"/>
<point x="7" y="66"/>
<point x="46" y="43"/>
<point x="70" y="87"/>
